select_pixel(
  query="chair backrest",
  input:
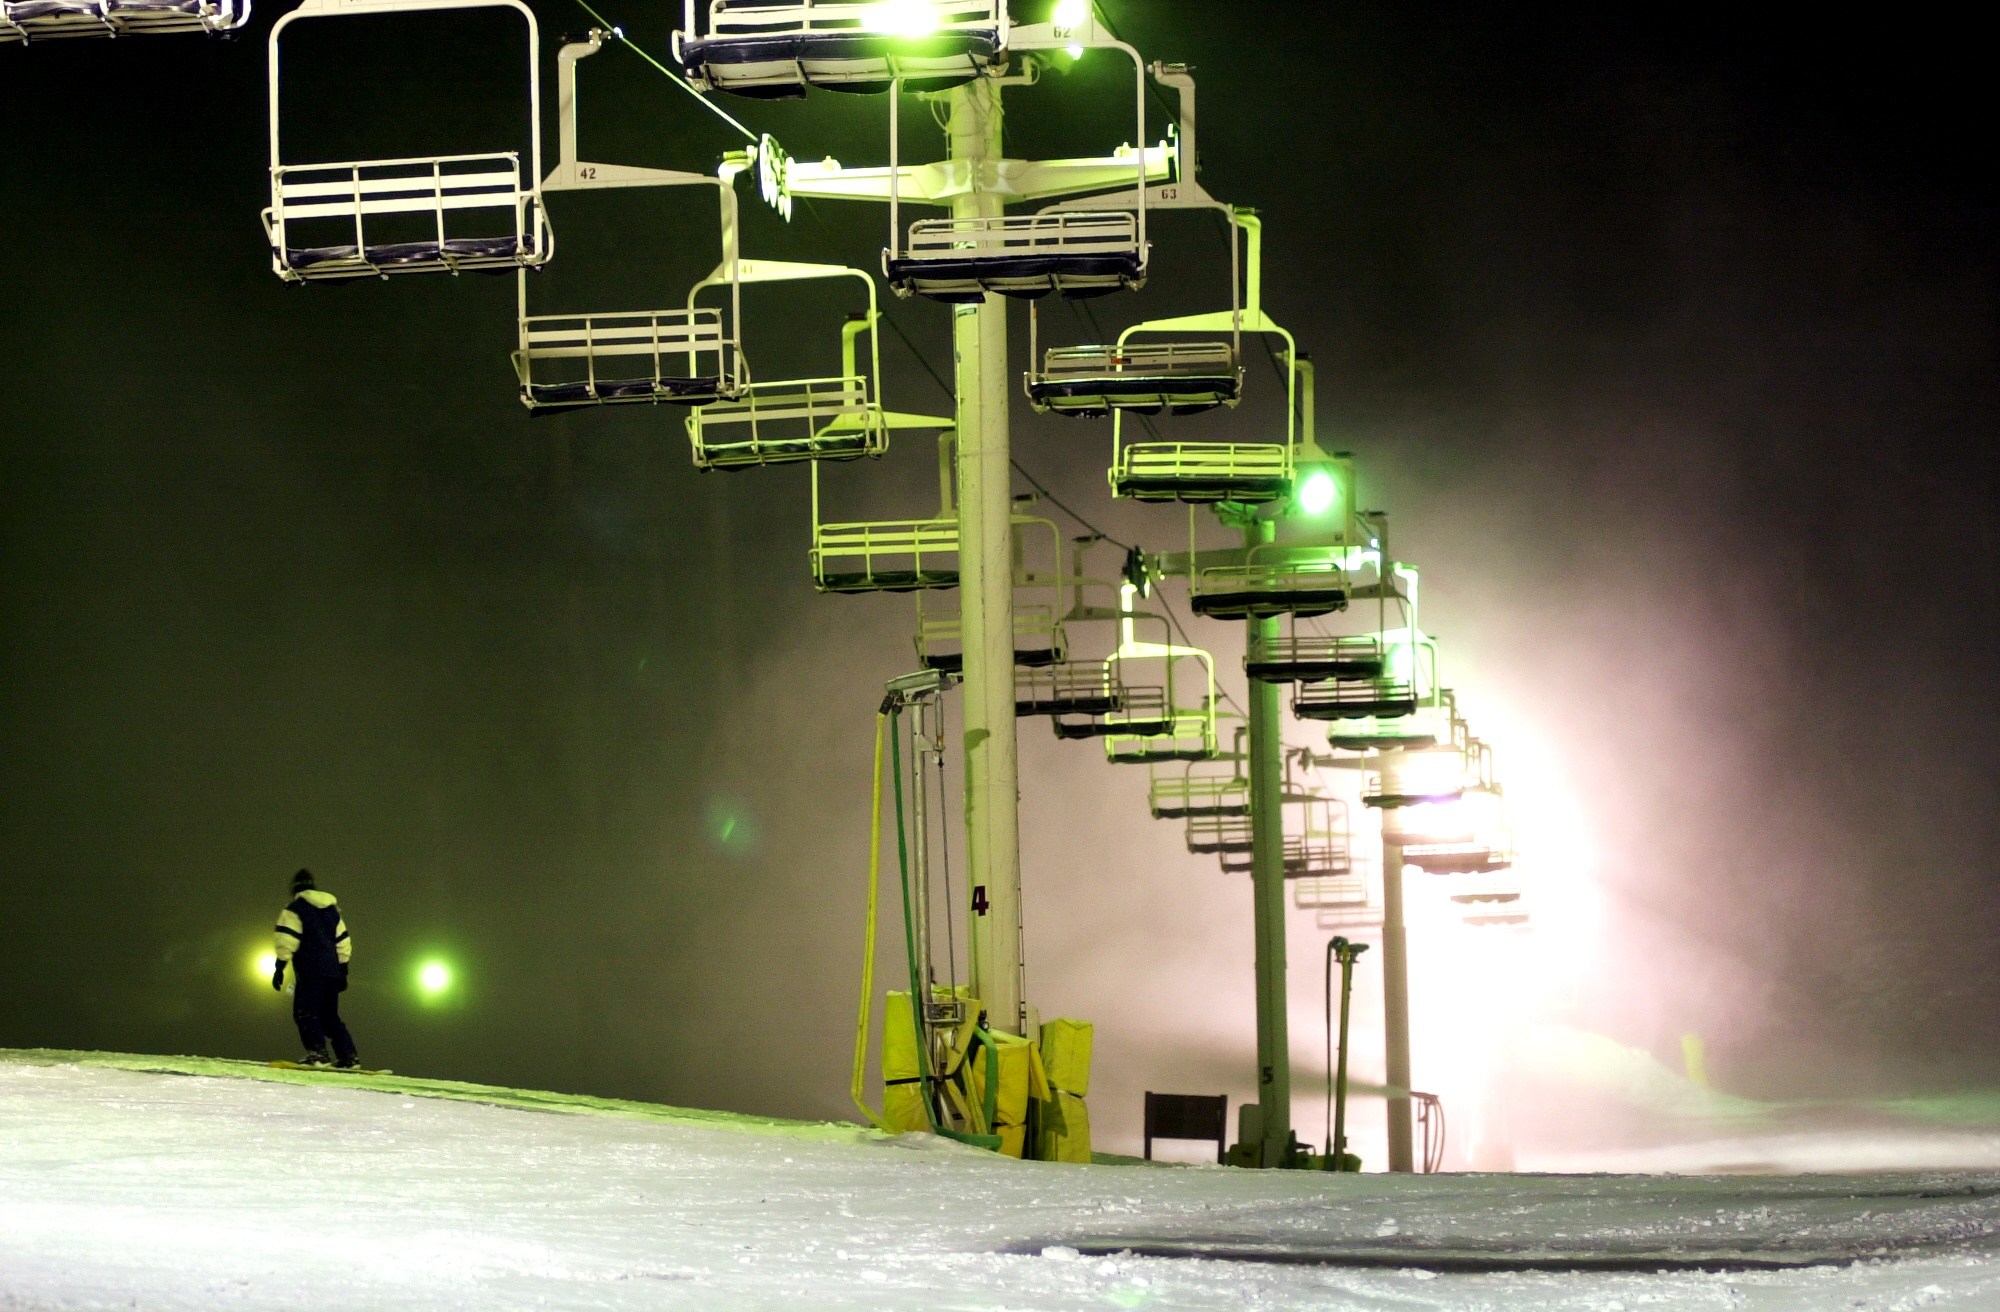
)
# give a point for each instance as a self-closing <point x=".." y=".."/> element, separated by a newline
<point x="1187" y="1116"/>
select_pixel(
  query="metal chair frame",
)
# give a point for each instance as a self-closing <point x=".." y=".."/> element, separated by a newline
<point x="28" y="21"/>
<point x="835" y="44"/>
<point x="439" y="186"/>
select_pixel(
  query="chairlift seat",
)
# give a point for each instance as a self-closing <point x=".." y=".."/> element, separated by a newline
<point x="1077" y="254"/>
<point x="1172" y="798"/>
<point x="953" y="662"/>
<point x="1301" y="657"/>
<point x="1355" y="699"/>
<point x="1456" y="858"/>
<point x="682" y="351"/>
<point x="893" y="556"/>
<point x="1067" y="688"/>
<point x="1151" y="377"/>
<point x="1220" y="833"/>
<point x="1407" y="733"/>
<point x="353" y="197"/>
<point x="779" y="423"/>
<point x="1263" y="590"/>
<point x="1343" y="889"/>
<point x="1185" y="736"/>
<point x="1203" y="472"/>
<point x="41" y="20"/>
<point x="771" y="51"/>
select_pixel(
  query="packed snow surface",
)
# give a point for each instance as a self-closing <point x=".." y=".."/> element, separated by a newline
<point x="132" y="1183"/>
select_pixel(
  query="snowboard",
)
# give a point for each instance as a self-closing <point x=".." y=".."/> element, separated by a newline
<point x="331" y="1070"/>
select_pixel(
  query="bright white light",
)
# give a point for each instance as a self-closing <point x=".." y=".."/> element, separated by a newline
<point x="902" y="17"/>
<point x="1069" y="14"/>
<point x="1074" y="52"/>
<point x="434" y="977"/>
<point x="1316" y="495"/>
<point x="261" y="966"/>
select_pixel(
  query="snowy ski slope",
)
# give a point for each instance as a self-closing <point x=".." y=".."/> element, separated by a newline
<point x="187" y="1184"/>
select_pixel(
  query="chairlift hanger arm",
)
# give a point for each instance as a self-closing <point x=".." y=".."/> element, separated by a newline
<point x="573" y="174"/>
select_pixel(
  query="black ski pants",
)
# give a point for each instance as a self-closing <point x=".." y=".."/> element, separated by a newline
<point x="316" y="1008"/>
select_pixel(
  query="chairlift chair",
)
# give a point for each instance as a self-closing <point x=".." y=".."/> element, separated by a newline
<point x="1219" y="833"/>
<point x="1075" y="254"/>
<point x="1188" y="377"/>
<point x="789" y="420"/>
<point x="775" y="51"/>
<point x="1320" y="845"/>
<point x="1292" y="657"/>
<point x="50" y="20"/>
<point x="1179" y="794"/>
<point x="1272" y="580"/>
<point x="684" y="356"/>
<point x="353" y="201"/>
<point x="1068" y="689"/>
<point x="1039" y="636"/>
<point x="1149" y="377"/>
<point x="1174" y="729"/>
<point x="1414" y="778"/>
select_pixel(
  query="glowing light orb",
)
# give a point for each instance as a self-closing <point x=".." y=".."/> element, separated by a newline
<point x="1069" y="14"/>
<point x="1317" y="493"/>
<point x="902" y="17"/>
<point x="433" y="977"/>
<point x="261" y="965"/>
<point x="1074" y="52"/>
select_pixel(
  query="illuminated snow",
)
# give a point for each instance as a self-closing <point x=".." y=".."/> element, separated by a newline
<point x="127" y="1189"/>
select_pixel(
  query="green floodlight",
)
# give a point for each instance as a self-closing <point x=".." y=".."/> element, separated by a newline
<point x="1318" y="492"/>
<point x="1069" y="15"/>
<point x="433" y="979"/>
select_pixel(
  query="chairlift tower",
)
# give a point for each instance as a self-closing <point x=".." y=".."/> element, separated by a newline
<point x="975" y="183"/>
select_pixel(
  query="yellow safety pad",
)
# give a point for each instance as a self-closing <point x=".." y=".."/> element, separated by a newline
<point x="899" y="1040"/>
<point x="1063" y="1130"/>
<point x="1021" y="1079"/>
<point x="903" y="1109"/>
<point x="902" y="1103"/>
<point x="1066" y="1054"/>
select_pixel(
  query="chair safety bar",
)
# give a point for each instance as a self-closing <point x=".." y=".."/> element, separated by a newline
<point x="680" y="356"/>
<point x="803" y="419"/>
<point x="341" y="199"/>
<point x="47" y="20"/>
<point x="889" y="556"/>
<point x="1355" y="699"/>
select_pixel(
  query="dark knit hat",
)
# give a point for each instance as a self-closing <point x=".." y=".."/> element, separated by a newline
<point x="302" y="881"/>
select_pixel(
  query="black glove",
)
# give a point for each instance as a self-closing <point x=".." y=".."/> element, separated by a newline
<point x="278" y="977"/>
<point x="343" y="978"/>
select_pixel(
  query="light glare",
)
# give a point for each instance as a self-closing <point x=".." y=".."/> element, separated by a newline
<point x="434" y="977"/>
<point x="1317" y="494"/>
<point x="903" y="17"/>
<point x="1069" y="14"/>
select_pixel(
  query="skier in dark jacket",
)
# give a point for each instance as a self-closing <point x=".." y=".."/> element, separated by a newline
<point x="312" y="936"/>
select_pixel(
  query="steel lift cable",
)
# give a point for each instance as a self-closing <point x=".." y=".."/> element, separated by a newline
<point x="671" y="76"/>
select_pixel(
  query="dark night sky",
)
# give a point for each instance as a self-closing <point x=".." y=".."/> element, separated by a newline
<point x="1670" y="349"/>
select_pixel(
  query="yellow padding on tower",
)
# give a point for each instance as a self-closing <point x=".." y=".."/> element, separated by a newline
<point x="1066" y="1054"/>
<point x="902" y="1075"/>
<point x="1063" y="1130"/>
<point x="1021" y="1078"/>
